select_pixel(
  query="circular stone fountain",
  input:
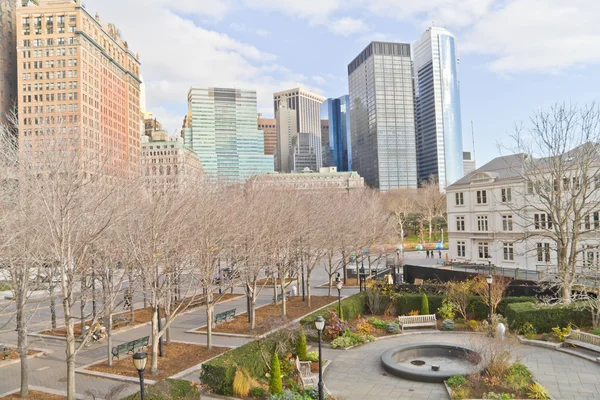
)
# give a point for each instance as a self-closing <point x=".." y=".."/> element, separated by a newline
<point x="430" y="362"/>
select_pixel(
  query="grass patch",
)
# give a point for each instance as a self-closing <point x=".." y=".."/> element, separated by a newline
<point x="168" y="389"/>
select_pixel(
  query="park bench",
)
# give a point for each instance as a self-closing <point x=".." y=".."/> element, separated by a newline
<point x="5" y="352"/>
<point x="307" y="377"/>
<point x="130" y="347"/>
<point x="584" y="340"/>
<point x="117" y="320"/>
<point x="224" y="316"/>
<point x="280" y="298"/>
<point x="417" y="321"/>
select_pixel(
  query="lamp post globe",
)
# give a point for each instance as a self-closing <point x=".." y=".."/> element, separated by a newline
<point x="320" y="325"/>
<point x="338" y="285"/>
<point x="139" y="362"/>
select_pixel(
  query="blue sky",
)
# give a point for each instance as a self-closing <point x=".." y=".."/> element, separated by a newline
<point x="516" y="55"/>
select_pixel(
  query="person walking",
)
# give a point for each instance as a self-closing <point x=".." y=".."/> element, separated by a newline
<point x="440" y="253"/>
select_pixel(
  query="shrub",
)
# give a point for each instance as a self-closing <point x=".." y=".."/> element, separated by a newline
<point x="518" y="376"/>
<point x="364" y="327"/>
<point x="312" y="393"/>
<point x="408" y="302"/>
<point x="289" y="395"/>
<point x="301" y="345"/>
<point x="447" y="325"/>
<point x="472" y="324"/>
<point x="424" y="305"/>
<point x="257" y="392"/>
<point x="313" y="356"/>
<point x="392" y="328"/>
<point x="275" y="383"/>
<point x="560" y="334"/>
<point x="168" y="389"/>
<point x="342" y="342"/>
<point x="413" y="313"/>
<point x="351" y="339"/>
<point x="460" y="393"/>
<point x="377" y="323"/>
<point x="537" y="391"/>
<point x="241" y="383"/>
<point x="596" y="332"/>
<point x="447" y="310"/>
<point x="455" y="381"/>
<point x="546" y="337"/>
<point x="498" y="396"/>
<point x="351" y="308"/>
<point x="458" y="295"/>
<point x="528" y="331"/>
<point x="334" y="327"/>
<point x="544" y="317"/>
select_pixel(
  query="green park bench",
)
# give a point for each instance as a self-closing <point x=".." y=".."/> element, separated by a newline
<point x="280" y="298"/>
<point x="224" y="316"/>
<point x="130" y="347"/>
<point x="117" y="320"/>
<point x="5" y="352"/>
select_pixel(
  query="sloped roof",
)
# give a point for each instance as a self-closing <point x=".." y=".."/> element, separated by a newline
<point x="500" y="168"/>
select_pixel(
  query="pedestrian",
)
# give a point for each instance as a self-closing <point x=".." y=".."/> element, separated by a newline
<point x="440" y="253"/>
<point x="427" y="253"/>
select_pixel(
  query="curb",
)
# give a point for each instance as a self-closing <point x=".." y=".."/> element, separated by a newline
<point x="539" y="343"/>
<point x="43" y="390"/>
<point x="40" y="353"/>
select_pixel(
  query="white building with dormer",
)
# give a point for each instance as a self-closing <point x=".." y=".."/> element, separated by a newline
<point x="494" y="213"/>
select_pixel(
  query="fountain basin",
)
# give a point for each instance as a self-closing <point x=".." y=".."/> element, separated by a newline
<point x="419" y="361"/>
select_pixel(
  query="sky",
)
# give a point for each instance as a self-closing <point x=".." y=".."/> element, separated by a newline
<point x="516" y="56"/>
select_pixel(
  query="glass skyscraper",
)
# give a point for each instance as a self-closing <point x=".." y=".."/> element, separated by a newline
<point x="335" y="133"/>
<point x="222" y="130"/>
<point x="382" y="115"/>
<point x="439" y="126"/>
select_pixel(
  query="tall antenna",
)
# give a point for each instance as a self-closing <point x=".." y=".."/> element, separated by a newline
<point x="473" y="138"/>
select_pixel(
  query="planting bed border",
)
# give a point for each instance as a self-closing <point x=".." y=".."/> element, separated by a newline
<point x="43" y="390"/>
<point x="122" y="378"/>
<point x="40" y="353"/>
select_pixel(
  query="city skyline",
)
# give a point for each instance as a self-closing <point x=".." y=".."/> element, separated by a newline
<point x="239" y="44"/>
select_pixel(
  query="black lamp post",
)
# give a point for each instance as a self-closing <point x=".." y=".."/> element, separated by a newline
<point x="339" y="284"/>
<point x="490" y="280"/>
<point x="361" y="278"/>
<point x="320" y="324"/>
<point x="139" y="361"/>
<point x="489" y="265"/>
<point x="397" y="266"/>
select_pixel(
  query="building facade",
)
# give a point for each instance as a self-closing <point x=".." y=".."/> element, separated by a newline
<point x="167" y="164"/>
<point x="382" y="116"/>
<point x="269" y="127"/>
<point x="437" y="102"/>
<point x="469" y="164"/>
<point x="304" y="154"/>
<point x="8" y="57"/>
<point x="222" y="130"/>
<point x="78" y="85"/>
<point x="296" y="110"/>
<point x="327" y="178"/>
<point x="151" y="124"/>
<point x="336" y="141"/>
<point x="495" y="214"/>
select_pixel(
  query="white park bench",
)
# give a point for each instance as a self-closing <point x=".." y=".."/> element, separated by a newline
<point x="308" y="378"/>
<point x="584" y="340"/>
<point x="417" y="321"/>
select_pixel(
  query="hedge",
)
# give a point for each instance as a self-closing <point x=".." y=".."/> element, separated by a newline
<point x="408" y="302"/>
<point x="218" y="374"/>
<point x="352" y="307"/>
<point x="480" y="308"/>
<point x="545" y="317"/>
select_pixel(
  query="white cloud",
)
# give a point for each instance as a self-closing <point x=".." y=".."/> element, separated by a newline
<point x="319" y="80"/>
<point x="316" y="11"/>
<point x="262" y="33"/>
<point x="347" y="26"/>
<point x="522" y="37"/>
<point x="208" y="8"/>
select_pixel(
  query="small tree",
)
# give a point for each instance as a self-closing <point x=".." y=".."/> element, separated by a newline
<point x="499" y="285"/>
<point x="301" y="346"/>
<point x="424" y="305"/>
<point x="457" y="294"/>
<point x="275" y="384"/>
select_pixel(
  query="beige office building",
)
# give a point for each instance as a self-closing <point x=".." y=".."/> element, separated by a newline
<point x="167" y="163"/>
<point x="296" y="110"/>
<point x="8" y="57"/>
<point x="151" y="124"/>
<point x="268" y="126"/>
<point x="327" y="178"/>
<point x="78" y="85"/>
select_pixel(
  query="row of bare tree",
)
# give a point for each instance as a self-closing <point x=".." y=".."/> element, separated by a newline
<point x="113" y="240"/>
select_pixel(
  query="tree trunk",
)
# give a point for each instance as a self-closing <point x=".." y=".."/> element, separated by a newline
<point x="52" y="307"/>
<point x="70" y="350"/>
<point x="330" y="284"/>
<point x="283" y="299"/>
<point x="22" y="343"/>
<point x="209" y="323"/>
<point x="430" y="228"/>
<point x="308" y="287"/>
<point x="109" y="340"/>
<point x="155" y="337"/>
<point x="252" y="313"/>
<point x="144" y="287"/>
<point x="275" y="289"/>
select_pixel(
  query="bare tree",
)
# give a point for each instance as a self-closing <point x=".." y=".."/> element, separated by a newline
<point x="432" y="202"/>
<point x="558" y="161"/>
<point x="401" y="203"/>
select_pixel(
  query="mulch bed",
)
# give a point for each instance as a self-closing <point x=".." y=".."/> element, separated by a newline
<point x="178" y="357"/>
<point x="14" y="354"/>
<point x="269" y="317"/>
<point x="141" y="316"/>
<point x="33" y="395"/>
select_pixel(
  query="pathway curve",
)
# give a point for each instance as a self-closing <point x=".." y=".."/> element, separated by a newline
<point x="357" y="374"/>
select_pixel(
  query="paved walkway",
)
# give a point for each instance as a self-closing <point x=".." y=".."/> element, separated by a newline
<point x="357" y="374"/>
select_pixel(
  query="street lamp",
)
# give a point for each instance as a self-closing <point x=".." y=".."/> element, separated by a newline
<point x="489" y="265"/>
<point x="139" y="362"/>
<point x="320" y="324"/>
<point x="490" y="280"/>
<point x="339" y="284"/>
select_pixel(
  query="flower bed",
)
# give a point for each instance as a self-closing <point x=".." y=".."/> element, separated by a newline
<point x="514" y="382"/>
